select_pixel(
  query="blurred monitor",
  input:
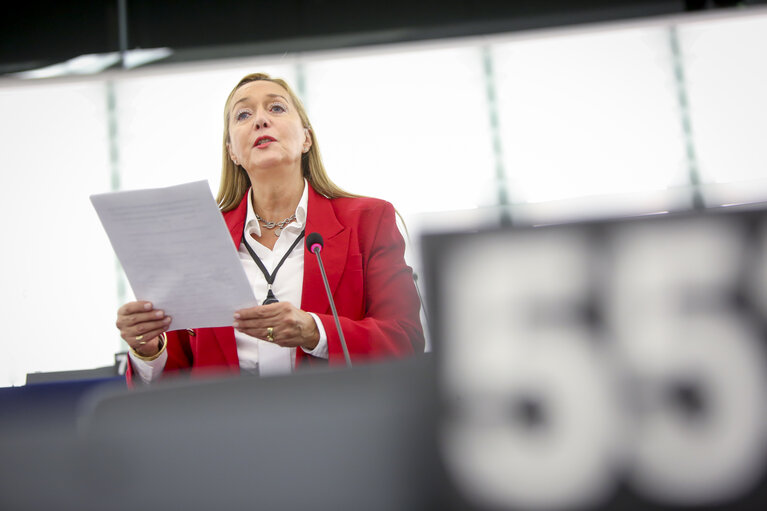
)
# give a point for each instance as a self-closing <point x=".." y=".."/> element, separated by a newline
<point x="604" y="363"/>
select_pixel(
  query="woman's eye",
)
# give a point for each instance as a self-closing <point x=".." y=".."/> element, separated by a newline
<point x="278" y="108"/>
<point x="242" y="115"/>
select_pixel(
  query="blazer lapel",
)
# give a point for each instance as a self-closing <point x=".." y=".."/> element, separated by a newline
<point x="235" y="219"/>
<point x="321" y="218"/>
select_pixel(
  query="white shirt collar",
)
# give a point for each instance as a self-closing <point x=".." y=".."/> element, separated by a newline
<point x="252" y="225"/>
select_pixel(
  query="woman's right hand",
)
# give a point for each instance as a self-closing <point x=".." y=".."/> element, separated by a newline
<point x="141" y="326"/>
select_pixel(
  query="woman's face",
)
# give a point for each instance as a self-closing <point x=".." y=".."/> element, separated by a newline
<point x="265" y="129"/>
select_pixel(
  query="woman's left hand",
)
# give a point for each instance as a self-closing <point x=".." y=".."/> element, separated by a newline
<point x="290" y="327"/>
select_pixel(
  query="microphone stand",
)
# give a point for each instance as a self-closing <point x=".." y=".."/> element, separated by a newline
<point x="316" y="247"/>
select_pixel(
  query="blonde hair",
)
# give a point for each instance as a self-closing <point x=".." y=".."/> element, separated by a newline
<point x="235" y="181"/>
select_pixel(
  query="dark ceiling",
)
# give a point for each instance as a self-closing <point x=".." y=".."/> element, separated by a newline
<point x="37" y="33"/>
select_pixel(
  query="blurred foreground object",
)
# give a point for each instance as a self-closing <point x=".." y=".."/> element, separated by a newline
<point x="603" y="362"/>
<point x="323" y="440"/>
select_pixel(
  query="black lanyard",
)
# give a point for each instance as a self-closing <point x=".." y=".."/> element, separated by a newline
<point x="270" y="298"/>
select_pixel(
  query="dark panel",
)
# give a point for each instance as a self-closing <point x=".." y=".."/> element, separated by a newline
<point x="188" y="24"/>
<point x="41" y="32"/>
<point x="35" y="33"/>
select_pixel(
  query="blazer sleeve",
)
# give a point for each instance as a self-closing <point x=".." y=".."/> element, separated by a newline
<point x="390" y="325"/>
<point x="179" y="356"/>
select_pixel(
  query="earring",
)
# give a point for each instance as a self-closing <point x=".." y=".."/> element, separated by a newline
<point x="306" y="149"/>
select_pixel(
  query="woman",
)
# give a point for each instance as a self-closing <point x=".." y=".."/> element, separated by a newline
<point x="274" y="190"/>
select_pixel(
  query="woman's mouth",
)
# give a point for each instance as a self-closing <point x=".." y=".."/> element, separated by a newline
<point x="263" y="142"/>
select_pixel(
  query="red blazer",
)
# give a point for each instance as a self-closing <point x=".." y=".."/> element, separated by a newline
<point x="372" y="287"/>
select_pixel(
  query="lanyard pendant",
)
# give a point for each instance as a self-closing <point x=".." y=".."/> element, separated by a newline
<point x="270" y="298"/>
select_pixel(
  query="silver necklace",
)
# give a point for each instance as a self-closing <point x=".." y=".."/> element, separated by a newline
<point x="280" y="225"/>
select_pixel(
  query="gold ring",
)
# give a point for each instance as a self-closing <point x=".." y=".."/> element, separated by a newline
<point x="270" y="334"/>
<point x="142" y="343"/>
<point x="139" y="337"/>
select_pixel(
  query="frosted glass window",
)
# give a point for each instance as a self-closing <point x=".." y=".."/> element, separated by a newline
<point x="589" y="114"/>
<point x="410" y="127"/>
<point x="57" y="278"/>
<point x="170" y="125"/>
<point x="726" y="82"/>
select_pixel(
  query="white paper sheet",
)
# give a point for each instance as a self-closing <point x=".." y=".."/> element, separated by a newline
<point x="177" y="253"/>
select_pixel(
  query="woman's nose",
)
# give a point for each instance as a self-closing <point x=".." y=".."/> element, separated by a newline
<point x="260" y="121"/>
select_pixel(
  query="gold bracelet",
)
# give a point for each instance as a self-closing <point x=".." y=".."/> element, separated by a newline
<point x="163" y="345"/>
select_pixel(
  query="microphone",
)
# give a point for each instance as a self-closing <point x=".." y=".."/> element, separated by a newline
<point x="314" y="244"/>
